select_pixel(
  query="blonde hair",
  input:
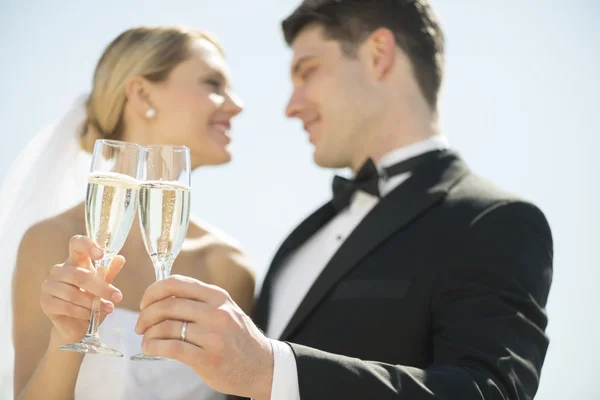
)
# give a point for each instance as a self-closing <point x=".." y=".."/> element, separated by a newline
<point x="149" y="52"/>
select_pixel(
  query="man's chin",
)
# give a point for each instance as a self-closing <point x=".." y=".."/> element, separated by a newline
<point x="326" y="160"/>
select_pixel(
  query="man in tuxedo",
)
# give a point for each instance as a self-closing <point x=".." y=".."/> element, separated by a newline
<point x="418" y="280"/>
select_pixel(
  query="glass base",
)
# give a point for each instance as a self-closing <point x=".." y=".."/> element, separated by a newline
<point x="91" y="345"/>
<point x="144" y="357"/>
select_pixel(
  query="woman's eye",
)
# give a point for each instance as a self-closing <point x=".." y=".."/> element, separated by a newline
<point x="214" y="83"/>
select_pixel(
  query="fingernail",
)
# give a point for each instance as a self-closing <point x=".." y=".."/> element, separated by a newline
<point x="117" y="296"/>
<point x="96" y="252"/>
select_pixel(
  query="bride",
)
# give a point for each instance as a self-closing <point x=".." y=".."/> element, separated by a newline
<point x="160" y="85"/>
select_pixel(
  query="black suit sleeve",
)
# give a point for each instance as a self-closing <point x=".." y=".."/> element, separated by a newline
<point x="488" y="318"/>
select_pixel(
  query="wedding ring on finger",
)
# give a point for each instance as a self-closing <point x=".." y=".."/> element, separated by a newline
<point x="183" y="334"/>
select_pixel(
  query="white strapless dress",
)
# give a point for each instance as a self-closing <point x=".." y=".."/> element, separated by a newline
<point x="102" y="378"/>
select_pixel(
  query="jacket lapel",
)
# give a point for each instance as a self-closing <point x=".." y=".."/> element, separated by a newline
<point x="428" y="185"/>
<point x="303" y="232"/>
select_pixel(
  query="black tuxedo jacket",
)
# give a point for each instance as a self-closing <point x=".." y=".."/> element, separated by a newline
<point x="439" y="293"/>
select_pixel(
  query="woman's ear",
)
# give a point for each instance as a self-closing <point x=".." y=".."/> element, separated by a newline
<point x="138" y="95"/>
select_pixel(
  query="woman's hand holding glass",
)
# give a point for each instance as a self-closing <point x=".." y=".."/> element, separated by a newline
<point x="68" y="293"/>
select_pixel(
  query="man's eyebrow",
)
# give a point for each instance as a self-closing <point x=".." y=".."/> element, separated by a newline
<point x="298" y="63"/>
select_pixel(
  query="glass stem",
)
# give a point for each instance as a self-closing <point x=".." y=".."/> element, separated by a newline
<point x="101" y="269"/>
<point x="162" y="267"/>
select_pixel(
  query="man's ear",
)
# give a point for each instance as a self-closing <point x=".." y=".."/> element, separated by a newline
<point x="380" y="50"/>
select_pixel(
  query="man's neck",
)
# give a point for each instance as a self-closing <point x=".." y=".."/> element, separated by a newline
<point x="388" y="146"/>
<point x="395" y="130"/>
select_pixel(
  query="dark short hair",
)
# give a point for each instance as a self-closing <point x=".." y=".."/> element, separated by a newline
<point x="413" y="23"/>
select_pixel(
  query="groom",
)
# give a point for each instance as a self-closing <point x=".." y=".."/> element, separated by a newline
<point x="418" y="280"/>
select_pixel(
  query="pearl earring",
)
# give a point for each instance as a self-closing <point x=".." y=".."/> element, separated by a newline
<point x="150" y="113"/>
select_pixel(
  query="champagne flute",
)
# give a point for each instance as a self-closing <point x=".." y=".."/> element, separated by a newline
<point x="164" y="207"/>
<point x="110" y="207"/>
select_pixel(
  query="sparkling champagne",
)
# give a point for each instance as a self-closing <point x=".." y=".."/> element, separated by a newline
<point x="112" y="200"/>
<point x="164" y="218"/>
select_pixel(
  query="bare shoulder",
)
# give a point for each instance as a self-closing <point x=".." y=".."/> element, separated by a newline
<point x="46" y="242"/>
<point x="214" y="248"/>
<point x="222" y="261"/>
<point x="202" y="230"/>
<point x="44" y="245"/>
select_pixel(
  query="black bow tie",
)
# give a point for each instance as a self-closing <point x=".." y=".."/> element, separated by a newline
<point x="367" y="179"/>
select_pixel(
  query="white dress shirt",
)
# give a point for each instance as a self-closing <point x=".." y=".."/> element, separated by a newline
<point x="302" y="267"/>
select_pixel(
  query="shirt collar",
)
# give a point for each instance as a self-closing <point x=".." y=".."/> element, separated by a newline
<point x="437" y="142"/>
<point x="386" y="185"/>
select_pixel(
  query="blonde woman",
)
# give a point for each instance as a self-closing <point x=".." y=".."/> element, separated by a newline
<point x="152" y="85"/>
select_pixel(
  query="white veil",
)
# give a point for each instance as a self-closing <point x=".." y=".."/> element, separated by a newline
<point x="48" y="177"/>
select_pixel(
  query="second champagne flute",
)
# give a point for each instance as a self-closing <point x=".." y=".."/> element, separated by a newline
<point x="164" y="207"/>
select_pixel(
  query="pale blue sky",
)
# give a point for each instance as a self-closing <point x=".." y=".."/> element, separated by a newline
<point x="520" y="103"/>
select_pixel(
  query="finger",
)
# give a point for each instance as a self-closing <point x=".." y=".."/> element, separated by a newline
<point x="115" y="267"/>
<point x="171" y="329"/>
<point x="72" y="294"/>
<point x="54" y="307"/>
<point x="183" y="287"/>
<point x="184" y="352"/>
<point x="196" y="334"/>
<point x="81" y="249"/>
<point x="171" y="309"/>
<point x="90" y="282"/>
<point x="67" y="292"/>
